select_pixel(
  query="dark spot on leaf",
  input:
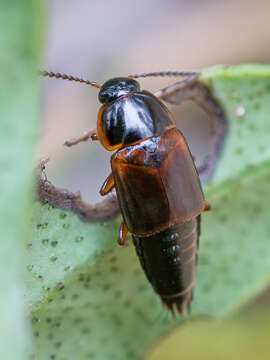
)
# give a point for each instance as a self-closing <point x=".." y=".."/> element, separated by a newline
<point x="127" y="304"/>
<point x="42" y="226"/>
<point x="85" y="330"/>
<point x="114" y="269"/>
<point x="68" y="309"/>
<point x="222" y="218"/>
<point x="79" y="239"/>
<point x="106" y="287"/>
<point x="81" y="277"/>
<point x="78" y="320"/>
<point x="141" y="288"/>
<point x="35" y="320"/>
<point x="30" y="267"/>
<point x="118" y="293"/>
<point x="60" y="286"/>
<point x="239" y="150"/>
<point x="62" y="215"/>
<point x="113" y="259"/>
<point x="54" y="243"/>
<point x="56" y="324"/>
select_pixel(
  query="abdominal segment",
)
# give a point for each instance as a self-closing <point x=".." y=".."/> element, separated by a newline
<point x="168" y="259"/>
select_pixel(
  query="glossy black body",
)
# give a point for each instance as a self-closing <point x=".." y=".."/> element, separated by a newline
<point x="133" y="117"/>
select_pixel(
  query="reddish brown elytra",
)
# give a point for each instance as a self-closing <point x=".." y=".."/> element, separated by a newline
<point x="156" y="182"/>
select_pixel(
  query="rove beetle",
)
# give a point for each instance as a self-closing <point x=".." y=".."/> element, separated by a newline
<point x="155" y="179"/>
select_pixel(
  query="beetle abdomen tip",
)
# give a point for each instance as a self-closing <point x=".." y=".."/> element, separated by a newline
<point x="179" y="303"/>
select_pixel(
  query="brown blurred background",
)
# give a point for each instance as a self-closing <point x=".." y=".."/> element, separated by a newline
<point x="98" y="40"/>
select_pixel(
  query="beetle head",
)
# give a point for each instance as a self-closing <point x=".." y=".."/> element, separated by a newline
<point x="114" y="88"/>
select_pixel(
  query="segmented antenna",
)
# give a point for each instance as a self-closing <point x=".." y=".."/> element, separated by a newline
<point x="68" y="77"/>
<point x="165" y="73"/>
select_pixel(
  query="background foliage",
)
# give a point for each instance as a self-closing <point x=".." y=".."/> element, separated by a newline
<point x="20" y="39"/>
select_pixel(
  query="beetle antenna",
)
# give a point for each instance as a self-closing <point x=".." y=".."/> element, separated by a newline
<point x="68" y="77"/>
<point x="165" y="73"/>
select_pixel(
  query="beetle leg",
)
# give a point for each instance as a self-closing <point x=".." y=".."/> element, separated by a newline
<point x="207" y="206"/>
<point x="107" y="186"/>
<point x="91" y="133"/>
<point x="192" y="89"/>
<point x="123" y="230"/>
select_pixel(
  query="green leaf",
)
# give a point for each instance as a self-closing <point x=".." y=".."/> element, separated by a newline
<point x="19" y="103"/>
<point x="243" y="91"/>
<point x="235" y="338"/>
<point x="89" y="298"/>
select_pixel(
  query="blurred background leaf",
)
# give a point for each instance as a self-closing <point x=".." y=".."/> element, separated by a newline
<point x="20" y="42"/>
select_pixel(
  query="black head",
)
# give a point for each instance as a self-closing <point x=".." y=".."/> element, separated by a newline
<point x="112" y="89"/>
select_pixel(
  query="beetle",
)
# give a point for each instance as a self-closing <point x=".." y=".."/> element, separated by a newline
<point x="156" y="181"/>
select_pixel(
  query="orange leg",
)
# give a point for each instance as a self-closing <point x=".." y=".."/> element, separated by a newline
<point x="107" y="186"/>
<point x="91" y="133"/>
<point x="207" y="206"/>
<point x="122" y="234"/>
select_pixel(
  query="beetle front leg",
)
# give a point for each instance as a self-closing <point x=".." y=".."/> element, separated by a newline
<point x="207" y="206"/>
<point x="107" y="186"/>
<point x="123" y="230"/>
<point x="91" y="133"/>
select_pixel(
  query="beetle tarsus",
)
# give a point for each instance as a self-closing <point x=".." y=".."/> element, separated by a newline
<point x="207" y="206"/>
<point x="107" y="186"/>
<point x="123" y="230"/>
<point x="94" y="137"/>
<point x="91" y="133"/>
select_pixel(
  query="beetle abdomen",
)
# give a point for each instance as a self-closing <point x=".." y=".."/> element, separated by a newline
<point x="168" y="259"/>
